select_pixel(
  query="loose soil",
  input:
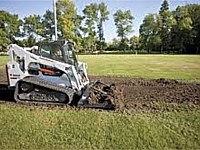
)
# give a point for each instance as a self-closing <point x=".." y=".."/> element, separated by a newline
<point x="154" y="94"/>
<point x="145" y="94"/>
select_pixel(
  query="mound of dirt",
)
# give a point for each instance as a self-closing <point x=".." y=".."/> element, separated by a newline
<point x="143" y="94"/>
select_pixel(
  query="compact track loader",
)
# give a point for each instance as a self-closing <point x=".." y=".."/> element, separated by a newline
<point x="50" y="73"/>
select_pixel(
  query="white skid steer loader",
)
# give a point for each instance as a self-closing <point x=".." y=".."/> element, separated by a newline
<point x="50" y="73"/>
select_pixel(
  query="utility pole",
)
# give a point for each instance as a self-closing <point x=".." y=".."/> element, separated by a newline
<point x="55" y="19"/>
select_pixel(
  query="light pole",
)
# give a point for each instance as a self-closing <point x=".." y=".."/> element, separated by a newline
<point x="55" y="19"/>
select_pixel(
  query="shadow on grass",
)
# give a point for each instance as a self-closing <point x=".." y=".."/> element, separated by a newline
<point x="6" y="93"/>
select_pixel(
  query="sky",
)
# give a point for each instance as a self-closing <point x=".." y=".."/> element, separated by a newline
<point x="138" y="8"/>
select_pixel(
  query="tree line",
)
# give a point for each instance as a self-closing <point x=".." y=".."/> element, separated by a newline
<point x="167" y="31"/>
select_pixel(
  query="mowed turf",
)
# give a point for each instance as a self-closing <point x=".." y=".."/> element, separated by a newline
<point x="3" y="62"/>
<point x="34" y="128"/>
<point x="185" y="67"/>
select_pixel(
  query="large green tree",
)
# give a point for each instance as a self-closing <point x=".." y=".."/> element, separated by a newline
<point x="181" y="33"/>
<point x="194" y="12"/>
<point x="166" y="24"/>
<point x="9" y="29"/>
<point x="124" y="24"/>
<point x="33" y="25"/>
<point x="94" y="17"/>
<point x="78" y="39"/>
<point x="91" y="16"/>
<point x="48" y="25"/>
<point x="149" y="32"/>
<point x="33" y="29"/>
<point x="66" y="13"/>
<point x="102" y="17"/>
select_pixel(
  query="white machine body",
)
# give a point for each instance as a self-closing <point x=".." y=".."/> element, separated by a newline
<point x="33" y="61"/>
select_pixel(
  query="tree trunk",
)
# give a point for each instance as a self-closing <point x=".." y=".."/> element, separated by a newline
<point x="197" y="51"/>
<point x="161" y="49"/>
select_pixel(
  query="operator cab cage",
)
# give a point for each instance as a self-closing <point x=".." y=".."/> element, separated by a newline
<point x="61" y="51"/>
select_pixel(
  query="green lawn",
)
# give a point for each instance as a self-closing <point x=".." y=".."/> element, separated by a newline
<point x="184" y="67"/>
<point x="33" y="128"/>
<point x="145" y="66"/>
<point x="3" y="61"/>
<point x="29" y="128"/>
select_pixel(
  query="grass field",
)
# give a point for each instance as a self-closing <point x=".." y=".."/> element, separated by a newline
<point x="145" y="66"/>
<point x="186" y="67"/>
<point x="34" y="128"/>
<point x="30" y="128"/>
<point x="3" y="61"/>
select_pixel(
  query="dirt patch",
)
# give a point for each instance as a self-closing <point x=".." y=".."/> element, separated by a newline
<point x="143" y="94"/>
<point x="147" y="95"/>
<point x="3" y="77"/>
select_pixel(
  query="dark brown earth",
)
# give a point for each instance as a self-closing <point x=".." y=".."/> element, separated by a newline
<point x="143" y="94"/>
<point x="148" y="95"/>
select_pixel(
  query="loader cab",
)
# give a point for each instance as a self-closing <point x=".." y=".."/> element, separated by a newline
<point x="61" y="51"/>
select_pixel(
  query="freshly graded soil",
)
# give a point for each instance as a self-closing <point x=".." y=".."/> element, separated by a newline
<point x="150" y="94"/>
